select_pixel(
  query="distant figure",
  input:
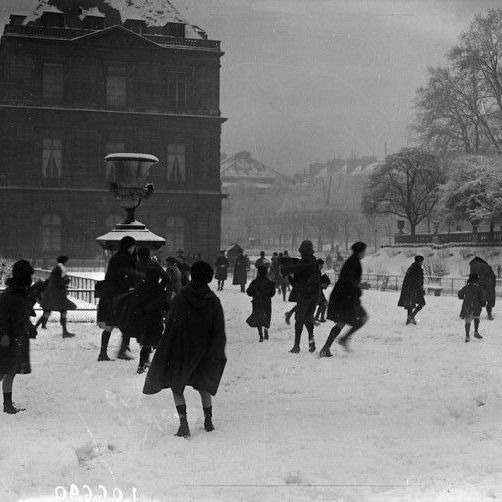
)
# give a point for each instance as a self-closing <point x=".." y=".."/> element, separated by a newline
<point x="474" y="300"/>
<point x="55" y="297"/>
<point x="221" y="266"/>
<point x="262" y="289"/>
<point x="3" y="271"/>
<point x="329" y="262"/>
<point x="120" y="277"/>
<point x="499" y="271"/>
<point x="183" y="266"/>
<point x="241" y="272"/>
<point x="15" y="331"/>
<point x="283" y="281"/>
<point x="322" y="306"/>
<point x="275" y="270"/>
<point x="262" y="261"/>
<point x="192" y="349"/>
<point x="487" y="282"/>
<point x="412" y="292"/>
<point x="174" y="278"/>
<point x="344" y="305"/>
<point x="306" y="279"/>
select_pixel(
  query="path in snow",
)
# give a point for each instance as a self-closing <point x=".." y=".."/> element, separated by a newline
<point x="413" y="414"/>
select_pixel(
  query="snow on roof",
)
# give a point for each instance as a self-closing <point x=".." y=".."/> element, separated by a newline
<point x="242" y="165"/>
<point x="92" y="12"/>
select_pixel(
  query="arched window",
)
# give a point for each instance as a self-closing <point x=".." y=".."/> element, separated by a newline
<point x="175" y="234"/>
<point x="51" y="232"/>
<point x="112" y="220"/>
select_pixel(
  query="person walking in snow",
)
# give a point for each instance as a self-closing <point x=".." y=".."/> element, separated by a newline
<point x="221" y="266"/>
<point x="55" y="297"/>
<point x="275" y="270"/>
<point x="15" y="330"/>
<point x="261" y="289"/>
<point x="344" y="305"/>
<point x="412" y="292"/>
<point x="306" y="279"/>
<point x="191" y="351"/>
<point x="262" y="261"/>
<point x="120" y="278"/>
<point x="487" y="282"/>
<point x="283" y="281"/>
<point x="240" y="277"/>
<point x="174" y="278"/>
<point x="322" y="306"/>
<point x="474" y="300"/>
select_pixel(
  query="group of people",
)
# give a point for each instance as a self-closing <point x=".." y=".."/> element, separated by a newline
<point x="478" y="293"/>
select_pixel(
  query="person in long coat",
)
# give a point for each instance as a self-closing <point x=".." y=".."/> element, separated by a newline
<point x="146" y="261"/>
<point x="275" y="270"/>
<point x="55" y="297"/>
<point x="474" y="299"/>
<point x="15" y="330"/>
<point x="261" y="289"/>
<point x="305" y="277"/>
<point x="344" y="305"/>
<point x="487" y="281"/>
<point x="221" y="266"/>
<point x="191" y="351"/>
<point x="120" y="277"/>
<point x="412" y="292"/>
<point x="240" y="272"/>
<point x="145" y="319"/>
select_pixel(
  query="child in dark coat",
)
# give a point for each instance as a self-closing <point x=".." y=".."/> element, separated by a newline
<point x="262" y="289"/>
<point x="474" y="299"/>
<point x="323" y="302"/>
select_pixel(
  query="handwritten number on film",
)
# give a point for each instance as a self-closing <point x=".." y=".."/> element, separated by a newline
<point x="101" y="495"/>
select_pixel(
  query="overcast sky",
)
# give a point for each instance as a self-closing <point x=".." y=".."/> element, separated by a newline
<point x="305" y="79"/>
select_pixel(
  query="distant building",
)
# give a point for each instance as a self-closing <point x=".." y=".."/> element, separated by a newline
<point x="242" y="168"/>
<point x="81" y="79"/>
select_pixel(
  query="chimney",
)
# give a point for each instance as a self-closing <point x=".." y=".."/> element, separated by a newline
<point x="136" y="25"/>
<point x="175" y="30"/>
<point x="17" y="19"/>
<point x="53" y="18"/>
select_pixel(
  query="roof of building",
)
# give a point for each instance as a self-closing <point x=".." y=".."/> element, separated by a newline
<point x="242" y="165"/>
<point x="92" y="12"/>
<point x="155" y="13"/>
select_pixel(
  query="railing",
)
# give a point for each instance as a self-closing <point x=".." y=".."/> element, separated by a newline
<point x="479" y="238"/>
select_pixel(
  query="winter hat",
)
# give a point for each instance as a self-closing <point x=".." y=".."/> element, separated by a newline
<point x="306" y="247"/>
<point x="62" y="259"/>
<point x="126" y="242"/>
<point x="202" y="272"/>
<point x="143" y="252"/>
<point x="358" y="247"/>
<point x="22" y="270"/>
<point x="473" y="278"/>
<point x="262" y="271"/>
<point x="419" y="259"/>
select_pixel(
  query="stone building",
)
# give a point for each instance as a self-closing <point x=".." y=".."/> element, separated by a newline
<point x="81" y="79"/>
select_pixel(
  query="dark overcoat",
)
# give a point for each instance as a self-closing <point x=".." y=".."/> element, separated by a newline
<point x="305" y="278"/>
<point x="412" y="291"/>
<point x="221" y="266"/>
<point x="55" y="294"/>
<point x="192" y="349"/>
<point x="487" y="279"/>
<point x="275" y="271"/>
<point x="120" y="277"/>
<point x="474" y="299"/>
<point x="141" y="313"/>
<point x="240" y="271"/>
<point x="15" y="309"/>
<point x="261" y="290"/>
<point x="345" y="301"/>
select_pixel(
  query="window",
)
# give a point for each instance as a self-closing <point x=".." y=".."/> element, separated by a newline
<point x="116" y="86"/>
<point x="175" y="234"/>
<point x="176" y="169"/>
<point x="52" y="158"/>
<point x="52" y="82"/>
<point x="176" y="90"/>
<point x="51" y="232"/>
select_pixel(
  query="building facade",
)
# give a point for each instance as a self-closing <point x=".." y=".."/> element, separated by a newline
<point x="79" y="84"/>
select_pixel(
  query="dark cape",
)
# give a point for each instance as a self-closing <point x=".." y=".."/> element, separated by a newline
<point x="412" y="291"/>
<point x="221" y="267"/>
<point x="474" y="299"/>
<point x="487" y="279"/>
<point x="15" y="310"/>
<point x="345" y="300"/>
<point x="261" y="290"/>
<point x="192" y="350"/>
<point x="55" y="294"/>
<point x="240" y="271"/>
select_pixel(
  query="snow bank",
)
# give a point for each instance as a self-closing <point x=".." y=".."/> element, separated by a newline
<point x="413" y="414"/>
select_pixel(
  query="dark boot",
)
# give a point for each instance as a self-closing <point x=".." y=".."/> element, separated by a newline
<point x="287" y="317"/>
<point x="476" y="330"/>
<point x="467" y="330"/>
<point x="8" y="405"/>
<point x="105" y="338"/>
<point x="42" y="321"/>
<point x="325" y="351"/>
<point x="265" y="335"/>
<point x="183" y="430"/>
<point x="66" y="333"/>
<point x="208" y="419"/>
<point x="260" y="332"/>
<point x="124" y="351"/>
<point x="298" y="336"/>
<point x="143" y="359"/>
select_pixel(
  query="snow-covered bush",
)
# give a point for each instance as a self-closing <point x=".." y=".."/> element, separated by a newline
<point x="436" y="267"/>
<point x="466" y="253"/>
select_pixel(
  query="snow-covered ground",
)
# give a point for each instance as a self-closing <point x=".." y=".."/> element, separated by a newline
<point x="412" y="414"/>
